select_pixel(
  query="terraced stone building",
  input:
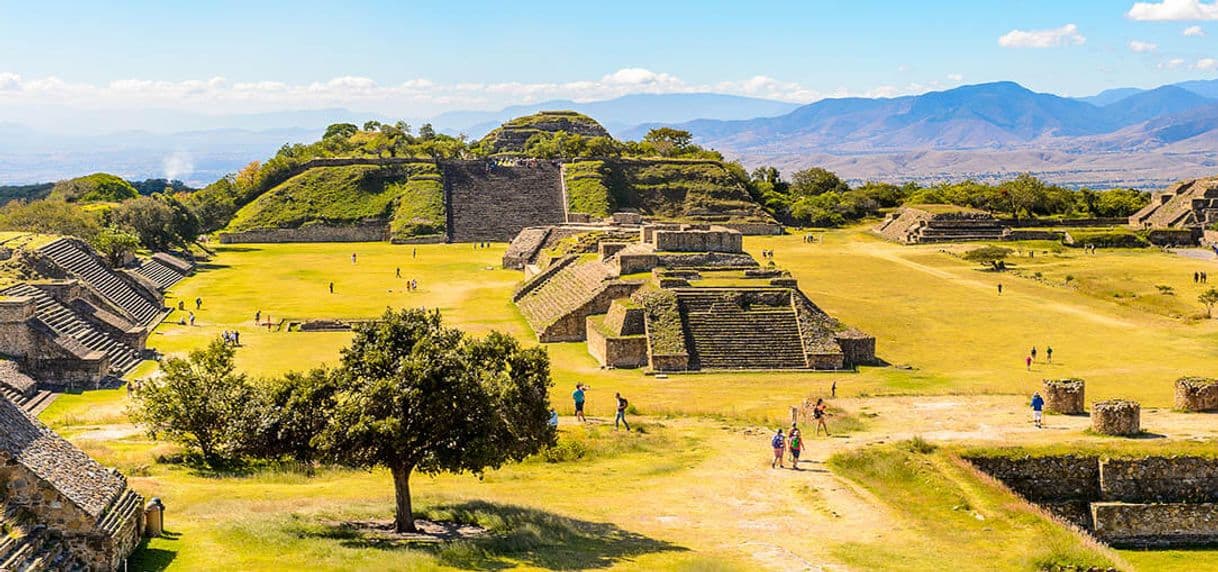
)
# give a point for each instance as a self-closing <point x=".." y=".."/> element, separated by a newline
<point x="673" y="297"/>
<point x="1185" y="205"/>
<point x="921" y="224"/>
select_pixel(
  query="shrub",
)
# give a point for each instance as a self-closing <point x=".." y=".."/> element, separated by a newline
<point x="987" y="254"/>
<point x="1113" y="238"/>
<point x="98" y="187"/>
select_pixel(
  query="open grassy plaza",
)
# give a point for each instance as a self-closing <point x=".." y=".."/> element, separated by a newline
<point x="691" y="489"/>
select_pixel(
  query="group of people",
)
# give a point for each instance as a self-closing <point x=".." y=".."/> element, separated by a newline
<point x="792" y="443"/>
<point x="232" y="337"/>
<point x="808" y="238"/>
<point x="1200" y="278"/>
<point x="580" y="397"/>
<point x="1088" y="249"/>
<point x="1031" y="357"/>
<point x="767" y="254"/>
<point x="478" y="245"/>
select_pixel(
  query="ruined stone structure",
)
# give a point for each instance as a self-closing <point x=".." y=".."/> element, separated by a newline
<point x="512" y="135"/>
<point x="84" y="321"/>
<point x="921" y="224"/>
<point x="673" y="298"/>
<point x="21" y="389"/>
<point x="489" y="202"/>
<point x="1186" y="205"/>
<point x="1116" y="417"/>
<point x="59" y="509"/>
<point x="368" y="232"/>
<point x="1145" y="502"/>
<point x="1197" y="394"/>
<point x="1065" y="396"/>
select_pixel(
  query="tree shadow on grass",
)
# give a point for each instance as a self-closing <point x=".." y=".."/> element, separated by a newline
<point x="152" y="559"/>
<point x="515" y="535"/>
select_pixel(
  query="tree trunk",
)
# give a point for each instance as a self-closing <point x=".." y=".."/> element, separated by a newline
<point x="403" y="517"/>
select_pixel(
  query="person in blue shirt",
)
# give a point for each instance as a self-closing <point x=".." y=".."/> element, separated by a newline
<point x="779" y="443"/>
<point x="1038" y="406"/>
<point x="578" y="396"/>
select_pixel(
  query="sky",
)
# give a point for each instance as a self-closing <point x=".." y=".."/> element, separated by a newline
<point x="416" y="59"/>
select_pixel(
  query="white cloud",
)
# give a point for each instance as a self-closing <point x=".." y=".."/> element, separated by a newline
<point x="1173" y="10"/>
<point x="955" y="77"/>
<point x="1206" y="64"/>
<point x="1193" y="32"/>
<point x="1174" y="63"/>
<point x="1141" y="47"/>
<point x="1067" y="35"/>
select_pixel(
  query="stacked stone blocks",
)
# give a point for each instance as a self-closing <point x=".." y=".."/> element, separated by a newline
<point x="1119" y="417"/>
<point x="1065" y="396"/>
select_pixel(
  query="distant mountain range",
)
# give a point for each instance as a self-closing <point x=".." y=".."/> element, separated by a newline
<point x="1164" y="133"/>
<point x="1122" y="136"/>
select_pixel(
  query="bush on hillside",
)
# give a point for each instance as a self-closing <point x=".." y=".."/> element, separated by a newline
<point x="98" y="187"/>
<point x="987" y="254"/>
<point x="587" y="192"/>
<point x="50" y="217"/>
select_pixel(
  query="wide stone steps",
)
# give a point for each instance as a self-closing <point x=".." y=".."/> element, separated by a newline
<point x="89" y="268"/>
<point x="160" y="273"/>
<point x="564" y="292"/>
<point x="494" y="204"/>
<point x="65" y="322"/>
<point x="32" y="405"/>
<point x="721" y="335"/>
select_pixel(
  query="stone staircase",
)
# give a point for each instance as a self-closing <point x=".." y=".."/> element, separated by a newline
<point x="31" y="404"/>
<point x="90" y="269"/>
<point x="161" y="274"/>
<point x="563" y="292"/>
<point x="719" y="334"/>
<point x="64" y="321"/>
<point x="495" y="203"/>
<point x="36" y="548"/>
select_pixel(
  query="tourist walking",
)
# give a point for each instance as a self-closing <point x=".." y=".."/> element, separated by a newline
<point x="1038" y="406"/>
<point x="257" y="316"/>
<point x="1196" y="278"/>
<point x="352" y="258"/>
<point x="819" y="412"/>
<point x="398" y="272"/>
<point x="331" y="287"/>
<point x="192" y="318"/>
<point x="622" y="404"/>
<point x="833" y="390"/>
<point x="1049" y="353"/>
<point x="198" y="303"/>
<point x="795" y="444"/>
<point x="1000" y="288"/>
<point x="181" y="305"/>
<point x="578" y="396"/>
<point x="779" y="443"/>
<point x="1033" y="353"/>
<point x="1028" y="362"/>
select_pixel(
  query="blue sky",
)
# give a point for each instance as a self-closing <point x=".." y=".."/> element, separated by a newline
<point x="415" y="58"/>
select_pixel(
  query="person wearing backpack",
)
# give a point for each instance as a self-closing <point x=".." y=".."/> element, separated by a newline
<point x="779" y="443"/>
<point x="795" y="443"/>
<point x="622" y="404"/>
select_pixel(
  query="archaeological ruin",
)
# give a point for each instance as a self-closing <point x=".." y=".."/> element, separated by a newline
<point x="920" y="224"/>
<point x="59" y="509"/>
<point x="673" y="297"/>
<point x="1185" y="205"/>
<point x="1148" y="502"/>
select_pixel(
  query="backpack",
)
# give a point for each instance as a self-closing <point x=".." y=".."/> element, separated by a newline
<point x="623" y="404"/>
<point x="777" y="441"/>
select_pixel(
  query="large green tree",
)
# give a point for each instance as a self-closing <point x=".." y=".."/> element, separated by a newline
<point x="816" y="181"/>
<point x="200" y="401"/>
<point x="416" y="396"/>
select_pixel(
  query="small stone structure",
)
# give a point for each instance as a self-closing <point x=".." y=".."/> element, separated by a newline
<point x="1064" y="396"/>
<point x="919" y="224"/>
<point x="368" y="232"/>
<point x="1186" y="205"/>
<point x="1148" y="502"/>
<point x="1197" y="394"/>
<point x="1119" y="417"/>
<point x="61" y="510"/>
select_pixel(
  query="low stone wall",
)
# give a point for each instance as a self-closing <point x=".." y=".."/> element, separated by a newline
<point x="377" y="232"/>
<point x="858" y="348"/>
<point x="1116" y="417"/>
<point x="1030" y="234"/>
<point x="1065" y="396"/>
<point x="1046" y="479"/>
<point x="635" y="263"/>
<point x="705" y="260"/>
<point x="669" y="362"/>
<point x="615" y="351"/>
<point x="710" y="240"/>
<point x="1132" y="525"/>
<point x="1197" y="394"/>
<point x="1160" y="479"/>
<point x="623" y="320"/>
<point x="754" y="228"/>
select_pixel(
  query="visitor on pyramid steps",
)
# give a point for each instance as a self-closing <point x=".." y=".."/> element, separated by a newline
<point x="779" y="444"/>
<point x="622" y="404"/>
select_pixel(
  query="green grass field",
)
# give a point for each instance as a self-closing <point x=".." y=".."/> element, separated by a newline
<point x="694" y="492"/>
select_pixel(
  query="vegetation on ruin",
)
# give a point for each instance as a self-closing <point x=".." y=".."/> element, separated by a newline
<point x="1108" y="238"/>
<point x="587" y="191"/>
<point x="98" y="187"/>
<point x="410" y="196"/>
<point x="663" y="321"/>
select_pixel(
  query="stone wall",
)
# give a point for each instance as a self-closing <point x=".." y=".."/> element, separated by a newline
<point x="669" y="362"/>
<point x="615" y="351"/>
<point x="715" y="239"/>
<point x="1160" y="480"/>
<point x="857" y="347"/>
<point x="754" y="228"/>
<point x="1197" y="394"/>
<point x="1155" y="525"/>
<point x="625" y="320"/>
<point x="1064" y="396"/>
<point x="1116" y="417"/>
<point x="375" y="232"/>
<point x="572" y="327"/>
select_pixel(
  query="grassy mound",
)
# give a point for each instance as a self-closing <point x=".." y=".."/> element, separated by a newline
<point x="665" y="189"/>
<point x="408" y="197"/>
<point x="95" y="188"/>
